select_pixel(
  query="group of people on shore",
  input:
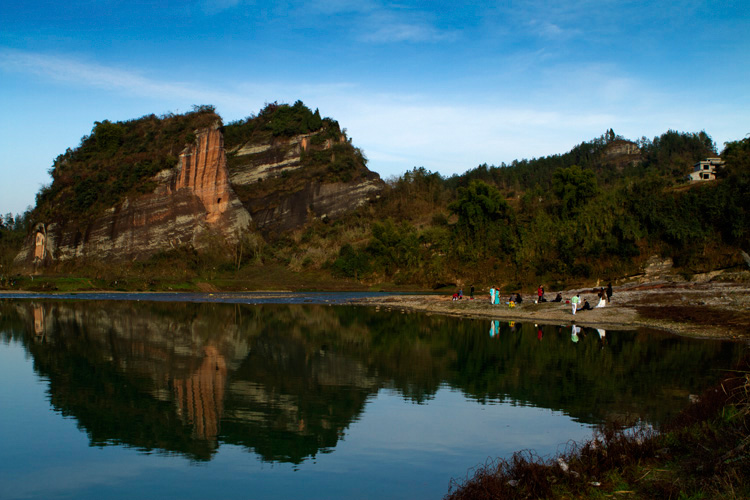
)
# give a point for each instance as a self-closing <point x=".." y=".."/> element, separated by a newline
<point x="604" y="297"/>
<point x="576" y="302"/>
<point x="459" y="295"/>
<point x="512" y="301"/>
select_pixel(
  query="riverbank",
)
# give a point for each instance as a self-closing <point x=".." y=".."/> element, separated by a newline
<point x="701" y="310"/>
<point x="703" y="453"/>
<point x="706" y="309"/>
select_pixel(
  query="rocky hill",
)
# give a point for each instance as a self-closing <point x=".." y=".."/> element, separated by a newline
<point x="288" y="165"/>
<point x="133" y="189"/>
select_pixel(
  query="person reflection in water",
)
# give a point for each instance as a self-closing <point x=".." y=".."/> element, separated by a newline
<point x="494" y="328"/>
<point x="602" y="336"/>
<point x="574" y="331"/>
<point x="539" y="333"/>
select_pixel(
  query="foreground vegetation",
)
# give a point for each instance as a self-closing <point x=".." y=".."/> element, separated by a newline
<point x="704" y="453"/>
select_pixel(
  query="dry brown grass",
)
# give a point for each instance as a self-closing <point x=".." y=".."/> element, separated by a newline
<point x="704" y="453"/>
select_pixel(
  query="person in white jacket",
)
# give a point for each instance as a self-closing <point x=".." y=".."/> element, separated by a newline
<point x="575" y="300"/>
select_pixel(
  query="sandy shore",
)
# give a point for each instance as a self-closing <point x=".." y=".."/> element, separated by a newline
<point x="708" y="310"/>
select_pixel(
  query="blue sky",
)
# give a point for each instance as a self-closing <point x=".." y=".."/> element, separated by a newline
<point x="446" y="85"/>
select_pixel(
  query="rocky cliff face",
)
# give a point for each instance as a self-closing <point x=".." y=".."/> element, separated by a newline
<point x="621" y="153"/>
<point x="124" y="195"/>
<point x="189" y="200"/>
<point x="281" y="192"/>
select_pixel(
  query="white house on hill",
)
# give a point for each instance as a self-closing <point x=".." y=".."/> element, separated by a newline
<point x="705" y="170"/>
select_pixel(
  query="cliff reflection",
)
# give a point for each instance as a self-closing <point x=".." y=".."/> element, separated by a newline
<point x="285" y="381"/>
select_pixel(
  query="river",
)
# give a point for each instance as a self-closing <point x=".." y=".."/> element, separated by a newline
<point x="301" y="396"/>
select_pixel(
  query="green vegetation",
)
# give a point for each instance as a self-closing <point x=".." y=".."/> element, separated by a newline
<point x="328" y="156"/>
<point x="276" y="120"/>
<point x="598" y="211"/>
<point x="563" y="218"/>
<point x="114" y="161"/>
<point x="13" y="231"/>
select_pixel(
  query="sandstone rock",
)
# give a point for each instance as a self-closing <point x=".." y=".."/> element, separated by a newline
<point x="190" y="199"/>
<point x="299" y="192"/>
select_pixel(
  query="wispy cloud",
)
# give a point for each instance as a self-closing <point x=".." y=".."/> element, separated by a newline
<point x="564" y="106"/>
<point x="376" y="22"/>
<point x="71" y="71"/>
<point x="216" y="6"/>
<point x="330" y="7"/>
<point x="547" y="29"/>
<point x="395" y="32"/>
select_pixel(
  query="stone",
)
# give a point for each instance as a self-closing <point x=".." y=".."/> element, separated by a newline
<point x="189" y="200"/>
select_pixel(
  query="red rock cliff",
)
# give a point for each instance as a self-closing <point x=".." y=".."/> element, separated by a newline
<point x="189" y="200"/>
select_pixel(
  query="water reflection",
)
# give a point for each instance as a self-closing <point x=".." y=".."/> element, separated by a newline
<point x="286" y="381"/>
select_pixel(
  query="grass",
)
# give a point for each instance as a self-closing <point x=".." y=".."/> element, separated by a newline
<point x="703" y="453"/>
<point x="267" y="277"/>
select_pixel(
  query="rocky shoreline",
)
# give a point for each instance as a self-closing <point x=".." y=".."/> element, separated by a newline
<point x="700" y="310"/>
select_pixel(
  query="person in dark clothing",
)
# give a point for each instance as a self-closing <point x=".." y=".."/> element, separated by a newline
<point x="586" y="306"/>
<point x="558" y="298"/>
<point x="609" y="291"/>
<point x="471" y="292"/>
<point x="519" y="299"/>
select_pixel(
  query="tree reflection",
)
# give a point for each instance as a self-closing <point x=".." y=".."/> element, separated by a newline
<point x="286" y="381"/>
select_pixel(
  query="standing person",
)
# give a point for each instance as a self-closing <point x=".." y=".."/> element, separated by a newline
<point x="575" y="300"/>
<point x="497" y="296"/>
<point x="540" y="293"/>
<point x="471" y="292"/>
<point x="609" y="291"/>
<point x="460" y="293"/>
<point x="492" y="295"/>
<point x="602" y="299"/>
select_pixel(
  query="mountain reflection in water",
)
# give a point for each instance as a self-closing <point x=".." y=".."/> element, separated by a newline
<point x="286" y="381"/>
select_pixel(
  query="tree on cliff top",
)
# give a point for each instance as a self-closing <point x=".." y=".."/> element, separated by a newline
<point x="279" y="120"/>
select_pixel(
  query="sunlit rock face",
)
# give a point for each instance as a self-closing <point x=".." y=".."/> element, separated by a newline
<point x="299" y="193"/>
<point x="190" y="199"/>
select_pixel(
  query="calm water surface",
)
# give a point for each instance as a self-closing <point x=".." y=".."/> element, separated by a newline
<point x="306" y="399"/>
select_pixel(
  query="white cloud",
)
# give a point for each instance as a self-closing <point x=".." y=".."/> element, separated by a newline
<point x="564" y="106"/>
<point x="391" y="31"/>
<point x="74" y="72"/>
<point x="553" y="31"/>
<point x="374" y="22"/>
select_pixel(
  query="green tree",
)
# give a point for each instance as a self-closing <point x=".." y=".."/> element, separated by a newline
<point x="485" y="220"/>
<point x="574" y="187"/>
<point x="394" y="247"/>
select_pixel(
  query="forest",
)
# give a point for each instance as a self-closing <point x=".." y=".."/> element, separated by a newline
<point x="596" y="212"/>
